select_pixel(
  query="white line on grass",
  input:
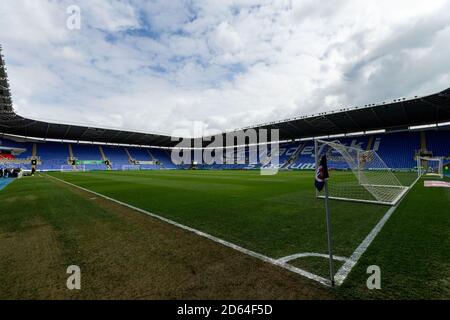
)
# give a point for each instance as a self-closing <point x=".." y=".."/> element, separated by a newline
<point x="344" y="271"/>
<point x="310" y="254"/>
<point x="256" y="255"/>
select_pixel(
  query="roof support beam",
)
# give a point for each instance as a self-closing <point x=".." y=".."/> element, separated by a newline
<point x="67" y="132"/>
<point x="334" y="124"/>
<point x="82" y="134"/>
<point x="376" y="116"/>
<point x="46" y="131"/>
<point x="353" y="121"/>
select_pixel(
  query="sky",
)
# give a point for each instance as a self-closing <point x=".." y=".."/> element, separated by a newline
<point x="163" y="66"/>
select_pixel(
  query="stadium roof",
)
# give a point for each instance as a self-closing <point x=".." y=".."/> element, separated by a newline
<point x="400" y="114"/>
<point x="397" y="115"/>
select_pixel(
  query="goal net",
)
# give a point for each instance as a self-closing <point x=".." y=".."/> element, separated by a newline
<point x="358" y="175"/>
<point x="131" y="167"/>
<point x="70" y="168"/>
<point x="430" y="166"/>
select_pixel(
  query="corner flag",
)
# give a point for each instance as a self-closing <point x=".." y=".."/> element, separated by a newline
<point x="321" y="182"/>
<point x="321" y="173"/>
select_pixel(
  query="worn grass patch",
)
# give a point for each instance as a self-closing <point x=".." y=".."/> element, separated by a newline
<point x="276" y="215"/>
<point x="122" y="254"/>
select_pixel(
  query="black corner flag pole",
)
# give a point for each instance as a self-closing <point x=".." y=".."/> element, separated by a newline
<point x="329" y="234"/>
<point x="321" y="183"/>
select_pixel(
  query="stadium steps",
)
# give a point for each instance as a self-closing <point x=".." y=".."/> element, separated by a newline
<point x="102" y="153"/>
<point x="424" y="150"/>
<point x="423" y="142"/>
<point x="294" y="156"/>
<point x="151" y="155"/>
<point x="71" y="153"/>
<point x="34" y="152"/>
<point x="370" y="143"/>
<point x="155" y="159"/>
<point x="130" y="158"/>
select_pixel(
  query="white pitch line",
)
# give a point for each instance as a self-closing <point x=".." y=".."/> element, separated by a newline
<point x="253" y="254"/>
<point x="344" y="271"/>
<point x="311" y="254"/>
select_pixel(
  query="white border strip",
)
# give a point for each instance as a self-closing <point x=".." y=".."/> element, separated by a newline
<point x="311" y="254"/>
<point x="344" y="271"/>
<point x="392" y="203"/>
<point x="253" y="254"/>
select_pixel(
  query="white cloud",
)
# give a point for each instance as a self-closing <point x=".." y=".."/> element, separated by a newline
<point x="226" y="39"/>
<point x="156" y="65"/>
<point x="109" y="15"/>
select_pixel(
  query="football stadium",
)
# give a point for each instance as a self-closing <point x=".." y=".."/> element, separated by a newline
<point x="87" y="184"/>
<point x="351" y="203"/>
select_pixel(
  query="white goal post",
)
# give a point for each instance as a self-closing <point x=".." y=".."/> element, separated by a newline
<point x="358" y="175"/>
<point x="430" y="166"/>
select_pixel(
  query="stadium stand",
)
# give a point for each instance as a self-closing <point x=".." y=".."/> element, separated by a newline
<point x="398" y="150"/>
<point x="117" y="156"/>
<point x="7" y="156"/>
<point x="305" y="159"/>
<point x="291" y="153"/>
<point x="438" y="142"/>
<point x="53" y="155"/>
<point x="15" y="154"/>
<point x="26" y="146"/>
<point x="141" y="155"/>
<point x="87" y="152"/>
<point x="163" y="156"/>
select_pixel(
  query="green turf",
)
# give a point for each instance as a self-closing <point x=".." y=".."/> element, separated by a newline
<point x="45" y="226"/>
<point x="42" y="223"/>
<point x="277" y="216"/>
<point x="412" y="250"/>
<point x="320" y="267"/>
<point x="273" y="215"/>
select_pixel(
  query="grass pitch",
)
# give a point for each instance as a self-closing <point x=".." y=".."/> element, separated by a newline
<point x="273" y="215"/>
<point x="276" y="216"/>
